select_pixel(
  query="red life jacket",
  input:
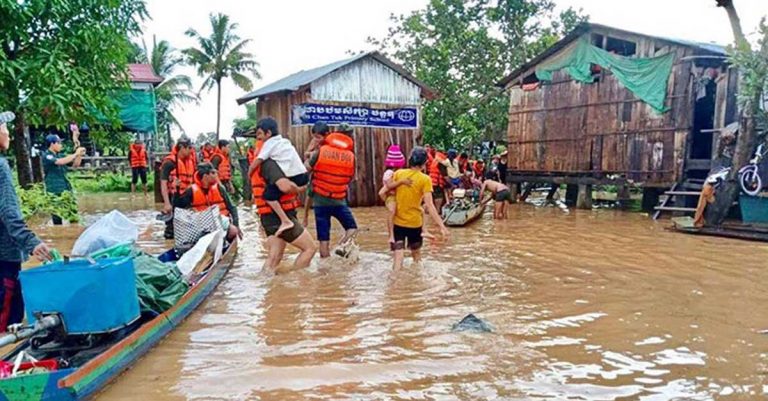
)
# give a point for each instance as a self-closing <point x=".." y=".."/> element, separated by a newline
<point x="479" y="168"/>
<point x="463" y="165"/>
<point x="207" y="151"/>
<point x="225" y="167"/>
<point x="434" y="171"/>
<point x="335" y="166"/>
<point x="202" y="200"/>
<point x="137" y="156"/>
<point x="288" y="201"/>
<point x="184" y="172"/>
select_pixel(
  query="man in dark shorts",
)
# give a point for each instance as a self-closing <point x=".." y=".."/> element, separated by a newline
<point x="267" y="173"/>
<point x="409" y="216"/>
<point x="137" y="156"/>
<point x="502" y="195"/>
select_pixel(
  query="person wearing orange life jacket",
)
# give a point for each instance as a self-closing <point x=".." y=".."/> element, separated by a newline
<point x="177" y="173"/>
<point x="437" y="173"/>
<point x="137" y="156"/>
<point x="252" y="153"/>
<point x="207" y="151"/>
<point x="333" y="168"/>
<point x="206" y="191"/>
<point x="221" y="160"/>
<point x="297" y="236"/>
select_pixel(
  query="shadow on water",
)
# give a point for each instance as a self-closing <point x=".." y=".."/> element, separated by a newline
<point x="599" y="305"/>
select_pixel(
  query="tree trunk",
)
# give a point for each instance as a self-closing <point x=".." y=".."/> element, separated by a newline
<point x="729" y="190"/>
<point x="21" y="151"/>
<point x="218" y="109"/>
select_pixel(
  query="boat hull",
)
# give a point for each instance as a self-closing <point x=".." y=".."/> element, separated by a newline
<point x="83" y="382"/>
<point x="463" y="217"/>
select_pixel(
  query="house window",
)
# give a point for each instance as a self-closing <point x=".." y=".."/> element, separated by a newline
<point x="597" y="40"/>
<point x="620" y="46"/>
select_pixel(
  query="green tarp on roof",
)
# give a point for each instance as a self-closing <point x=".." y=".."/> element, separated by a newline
<point x="645" y="77"/>
<point x="137" y="110"/>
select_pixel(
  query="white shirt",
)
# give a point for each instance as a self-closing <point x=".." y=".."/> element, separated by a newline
<point x="281" y="150"/>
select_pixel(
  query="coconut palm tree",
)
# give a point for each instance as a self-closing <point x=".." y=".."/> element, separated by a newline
<point x="175" y="90"/>
<point x="221" y="56"/>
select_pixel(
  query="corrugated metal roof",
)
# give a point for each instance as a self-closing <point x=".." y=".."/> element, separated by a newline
<point x="295" y="81"/>
<point x="587" y="26"/>
<point x="143" y="73"/>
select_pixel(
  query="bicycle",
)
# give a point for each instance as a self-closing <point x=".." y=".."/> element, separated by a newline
<point x="749" y="175"/>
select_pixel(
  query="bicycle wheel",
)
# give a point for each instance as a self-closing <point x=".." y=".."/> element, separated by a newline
<point x="750" y="181"/>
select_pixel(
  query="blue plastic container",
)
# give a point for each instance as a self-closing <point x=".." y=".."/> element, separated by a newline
<point x="90" y="297"/>
<point x="754" y="209"/>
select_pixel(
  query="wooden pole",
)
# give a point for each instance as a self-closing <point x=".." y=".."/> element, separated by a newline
<point x="584" y="199"/>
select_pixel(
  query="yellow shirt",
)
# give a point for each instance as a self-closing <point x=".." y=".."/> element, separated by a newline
<point x="409" y="213"/>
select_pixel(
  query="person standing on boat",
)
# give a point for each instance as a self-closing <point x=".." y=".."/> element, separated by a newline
<point x="333" y="168"/>
<point x="221" y="161"/>
<point x="207" y="191"/>
<point x="137" y="157"/>
<point x="55" y="168"/>
<point x="18" y="241"/>
<point x="437" y="176"/>
<point x="176" y="175"/>
<point x="409" y="215"/>
<point x="297" y="236"/>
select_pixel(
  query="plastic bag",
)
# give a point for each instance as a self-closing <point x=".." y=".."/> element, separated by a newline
<point x="114" y="228"/>
<point x="205" y="253"/>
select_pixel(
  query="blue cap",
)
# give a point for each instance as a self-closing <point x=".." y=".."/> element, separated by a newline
<point x="452" y="153"/>
<point x="51" y="139"/>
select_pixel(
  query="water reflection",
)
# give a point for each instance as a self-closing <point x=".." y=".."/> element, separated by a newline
<point x="597" y="305"/>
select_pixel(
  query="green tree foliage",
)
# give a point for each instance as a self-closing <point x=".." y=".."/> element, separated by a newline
<point x="251" y="117"/>
<point x="461" y="49"/>
<point x="57" y="57"/>
<point x="219" y="56"/>
<point x="203" y="138"/>
<point x="175" y="90"/>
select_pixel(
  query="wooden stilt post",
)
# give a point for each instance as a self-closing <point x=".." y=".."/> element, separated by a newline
<point x="584" y="199"/>
<point x="622" y="196"/>
<point x="571" y="194"/>
<point x="513" y="189"/>
<point x="650" y="199"/>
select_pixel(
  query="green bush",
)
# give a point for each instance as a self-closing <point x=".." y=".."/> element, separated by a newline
<point x="36" y="202"/>
<point x="106" y="182"/>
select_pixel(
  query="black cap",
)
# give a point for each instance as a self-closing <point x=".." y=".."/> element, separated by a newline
<point x="205" y="168"/>
<point x="184" y="141"/>
<point x="418" y="157"/>
<point x="223" y="143"/>
<point x="320" y="128"/>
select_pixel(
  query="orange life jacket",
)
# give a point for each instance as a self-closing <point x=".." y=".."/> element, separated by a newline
<point x="335" y="167"/>
<point x="202" y="200"/>
<point x="207" y="152"/>
<point x="184" y="172"/>
<point x="288" y="201"/>
<point x="434" y="171"/>
<point x="225" y="167"/>
<point x="479" y="168"/>
<point x="463" y="165"/>
<point x="428" y="167"/>
<point x="252" y="153"/>
<point x="138" y="156"/>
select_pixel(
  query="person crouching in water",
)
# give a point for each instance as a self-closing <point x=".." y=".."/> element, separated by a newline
<point x="502" y="195"/>
<point x="207" y="191"/>
<point x="409" y="216"/>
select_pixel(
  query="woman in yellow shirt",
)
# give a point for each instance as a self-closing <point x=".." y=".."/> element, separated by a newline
<point x="409" y="216"/>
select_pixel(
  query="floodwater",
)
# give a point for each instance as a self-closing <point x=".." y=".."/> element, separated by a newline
<point x="586" y="305"/>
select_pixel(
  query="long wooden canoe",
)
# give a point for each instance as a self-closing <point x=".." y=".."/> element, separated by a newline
<point x="83" y="381"/>
<point x="461" y="216"/>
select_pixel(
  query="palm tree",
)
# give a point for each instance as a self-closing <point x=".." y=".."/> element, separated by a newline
<point x="221" y="56"/>
<point x="175" y="89"/>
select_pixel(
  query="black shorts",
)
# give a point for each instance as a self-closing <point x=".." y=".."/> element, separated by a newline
<point x="406" y="236"/>
<point x="270" y="223"/>
<point x="272" y="192"/>
<point x="504" y="195"/>
<point x="139" y="172"/>
<point x="437" y="192"/>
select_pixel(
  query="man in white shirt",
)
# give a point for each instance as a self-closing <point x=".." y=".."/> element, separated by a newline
<point x="282" y="152"/>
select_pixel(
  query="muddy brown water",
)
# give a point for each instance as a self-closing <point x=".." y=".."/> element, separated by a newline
<point x="586" y="305"/>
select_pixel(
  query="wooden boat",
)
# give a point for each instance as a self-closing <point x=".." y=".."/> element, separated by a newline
<point x="104" y="362"/>
<point x="461" y="212"/>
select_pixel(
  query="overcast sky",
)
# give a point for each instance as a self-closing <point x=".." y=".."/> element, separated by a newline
<point x="291" y="35"/>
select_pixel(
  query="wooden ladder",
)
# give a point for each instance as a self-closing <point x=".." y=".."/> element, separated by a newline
<point x="673" y="200"/>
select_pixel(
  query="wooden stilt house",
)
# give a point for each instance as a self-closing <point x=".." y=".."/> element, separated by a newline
<point x="605" y="105"/>
<point x="377" y="97"/>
